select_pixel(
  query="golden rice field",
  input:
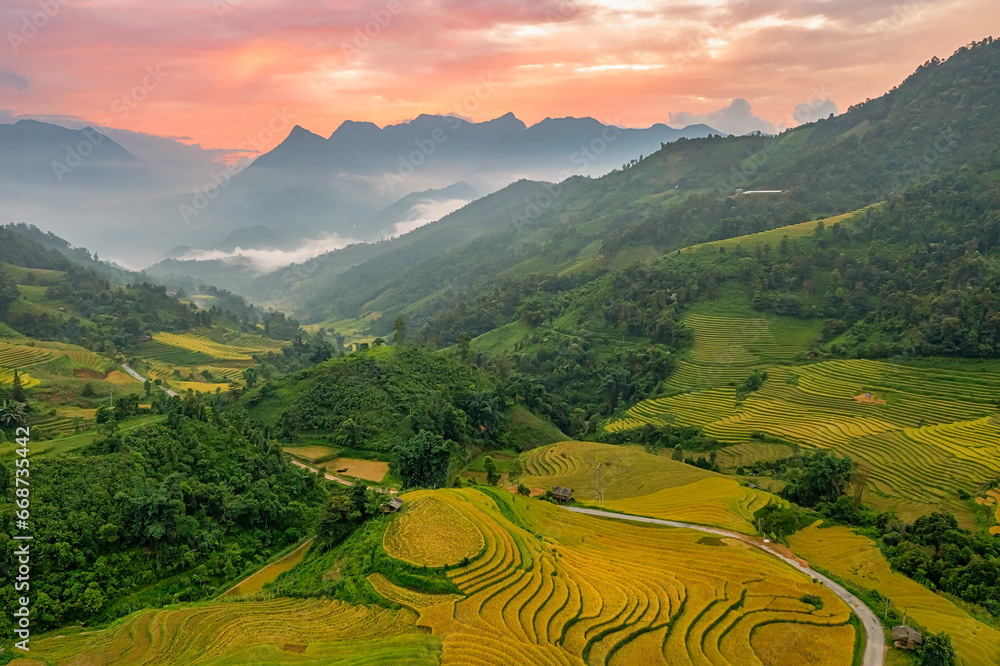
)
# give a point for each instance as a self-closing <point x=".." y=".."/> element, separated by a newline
<point x="369" y="470"/>
<point x="935" y="434"/>
<point x="636" y="482"/>
<point x="201" y="387"/>
<point x="553" y="587"/>
<point x="243" y="350"/>
<point x="27" y="381"/>
<point x="15" y="356"/>
<point x="430" y="532"/>
<point x="268" y="574"/>
<point x="283" y="631"/>
<point x="857" y="559"/>
<point x="406" y="597"/>
<point x="228" y="374"/>
<point x="718" y="502"/>
<point x="625" y="471"/>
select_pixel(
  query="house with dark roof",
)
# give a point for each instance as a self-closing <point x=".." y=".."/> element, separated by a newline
<point x="395" y="504"/>
<point x="906" y="638"/>
<point x="562" y="494"/>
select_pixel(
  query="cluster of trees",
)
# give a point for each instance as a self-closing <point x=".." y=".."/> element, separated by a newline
<point x="707" y="217"/>
<point x="915" y="276"/>
<point x="304" y="351"/>
<point x="373" y="400"/>
<point x="567" y="379"/>
<point x="934" y="551"/>
<point x="160" y="514"/>
<point x="345" y="510"/>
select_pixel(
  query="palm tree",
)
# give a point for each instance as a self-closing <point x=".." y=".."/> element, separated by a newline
<point x="11" y="413"/>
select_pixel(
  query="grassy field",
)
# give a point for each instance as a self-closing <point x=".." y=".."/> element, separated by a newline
<point x="558" y="588"/>
<point x="857" y="559"/>
<point x="284" y="631"/>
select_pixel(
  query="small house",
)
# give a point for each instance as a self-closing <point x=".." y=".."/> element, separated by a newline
<point x="562" y="494"/>
<point x="906" y="638"/>
<point x="395" y="504"/>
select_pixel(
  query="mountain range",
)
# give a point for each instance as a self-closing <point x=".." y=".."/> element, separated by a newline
<point x="307" y="195"/>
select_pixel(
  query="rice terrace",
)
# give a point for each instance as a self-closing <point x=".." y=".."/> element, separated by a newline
<point x="514" y="385"/>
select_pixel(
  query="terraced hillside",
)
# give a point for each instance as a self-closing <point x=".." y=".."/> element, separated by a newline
<point x="857" y="559"/>
<point x="633" y="481"/>
<point x="926" y="433"/>
<point x="284" y="631"/>
<point x="558" y="588"/>
<point x="770" y="237"/>
<point x="241" y="348"/>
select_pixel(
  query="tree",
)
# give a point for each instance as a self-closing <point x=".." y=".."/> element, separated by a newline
<point x="378" y="342"/>
<point x="464" y="351"/>
<point x="678" y="453"/>
<point x="492" y="475"/>
<point x="523" y="490"/>
<point x="335" y="521"/>
<point x="11" y="413"/>
<point x="251" y="376"/>
<point x="148" y="386"/>
<point x="359" y="498"/>
<point x="423" y="460"/>
<point x="937" y="651"/>
<point x="823" y="478"/>
<point x="399" y="332"/>
<point x="16" y="390"/>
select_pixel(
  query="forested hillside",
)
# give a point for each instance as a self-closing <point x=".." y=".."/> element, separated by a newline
<point x="155" y="514"/>
<point x="935" y="121"/>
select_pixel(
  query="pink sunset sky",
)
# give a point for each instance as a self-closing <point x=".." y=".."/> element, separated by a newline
<point x="222" y="66"/>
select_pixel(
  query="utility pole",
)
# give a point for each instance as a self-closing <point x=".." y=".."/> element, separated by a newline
<point x="597" y="483"/>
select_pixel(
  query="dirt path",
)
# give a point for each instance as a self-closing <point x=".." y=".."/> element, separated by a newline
<point x="316" y="471"/>
<point x="336" y="478"/>
<point x="143" y="380"/>
<point x="874" y="650"/>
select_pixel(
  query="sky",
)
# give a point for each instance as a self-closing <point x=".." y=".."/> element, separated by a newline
<point x="238" y="74"/>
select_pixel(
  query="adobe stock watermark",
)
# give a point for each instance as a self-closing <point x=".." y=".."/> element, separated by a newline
<point x="363" y="35"/>
<point x="944" y="143"/>
<point x="33" y="24"/>
<point x="582" y="158"/>
<point x="428" y="145"/>
<point x="218" y="180"/>
<point x="122" y="106"/>
<point x="701" y="42"/>
<point x="901" y="13"/>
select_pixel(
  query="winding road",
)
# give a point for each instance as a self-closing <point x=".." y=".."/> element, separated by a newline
<point x="874" y="650"/>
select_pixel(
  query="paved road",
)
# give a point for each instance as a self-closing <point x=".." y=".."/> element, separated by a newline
<point x="143" y="379"/>
<point x="874" y="651"/>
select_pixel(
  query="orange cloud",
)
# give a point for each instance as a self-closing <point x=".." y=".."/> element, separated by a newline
<point x="229" y="64"/>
